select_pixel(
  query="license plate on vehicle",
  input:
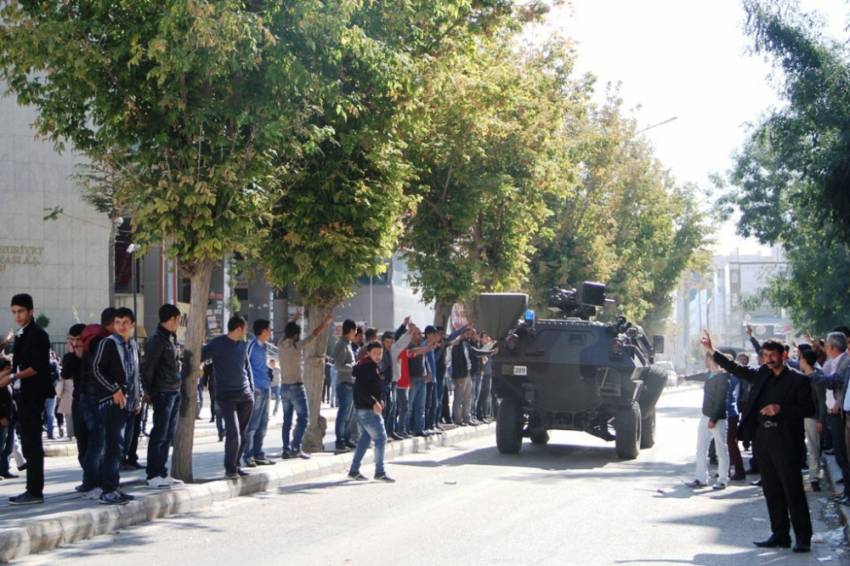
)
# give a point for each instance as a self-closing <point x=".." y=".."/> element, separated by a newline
<point x="520" y="370"/>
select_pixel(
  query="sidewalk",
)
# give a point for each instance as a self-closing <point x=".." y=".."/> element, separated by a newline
<point x="833" y="474"/>
<point x="65" y="517"/>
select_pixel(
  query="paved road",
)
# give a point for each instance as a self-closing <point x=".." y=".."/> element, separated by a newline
<point x="570" y="502"/>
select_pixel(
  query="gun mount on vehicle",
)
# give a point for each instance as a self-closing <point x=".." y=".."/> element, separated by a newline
<point x="571" y="372"/>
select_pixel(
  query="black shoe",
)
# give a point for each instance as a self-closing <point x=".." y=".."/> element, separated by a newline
<point x="350" y="445"/>
<point x="756" y="483"/>
<point x="384" y="478"/>
<point x="129" y="466"/>
<point x="696" y="484"/>
<point x="286" y="455"/>
<point x="22" y="467"/>
<point x="242" y="473"/>
<point x="341" y="450"/>
<point x="301" y="454"/>
<point x="220" y="437"/>
<point x="396" y="436"/>
<point x="357" y="476"/>
<point x="774" y="542"/>
<point x="263" y="462"/>
<point x="25" y="499"/>
<point x="802" y="547"/>
<point x="250" y="463"/>
<point x="113" y="498"/>
<point x="232" y="475"/>
<point x="8" y="476"/>
<point x="816" y="485"/>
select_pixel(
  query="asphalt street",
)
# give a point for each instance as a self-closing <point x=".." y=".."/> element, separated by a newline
<point x="571" y="502"/>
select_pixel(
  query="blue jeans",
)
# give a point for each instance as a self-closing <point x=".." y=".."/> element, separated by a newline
<point x="439" y="384"/>
<point x="166" y="410"/>
<point x="257" y="426"/>
<point x="345" y="402"/>
<point x="416" y="420"/>
<point x="294" y="399"/>
<point x="49" y="410"/>
<point x="402" y="396"/>
<point x="476" y="393"/>
<point x="276" y="389"/>
<point x="430" y="405"/>
<point x="95" y="439"/>
<point x="105" y="424"/>
<point x="371" y="428"/>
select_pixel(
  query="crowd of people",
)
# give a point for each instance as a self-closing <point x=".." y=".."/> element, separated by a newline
<point x="385" y="387"/>
<point x="789" y="408"/>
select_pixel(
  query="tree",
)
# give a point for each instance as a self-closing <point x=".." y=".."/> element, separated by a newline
<point x="488" y="154"/>
<point x="338" y="213"/>
<point x="790" y="178"/>
<point x="187" y="102"/>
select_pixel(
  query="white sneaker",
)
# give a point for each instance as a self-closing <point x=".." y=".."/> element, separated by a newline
<point x="158" y="482"/>
<point x="173" y="481"/>
<point x="93" y="494"/>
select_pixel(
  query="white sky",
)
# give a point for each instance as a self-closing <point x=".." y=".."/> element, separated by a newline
<point x="683" y="58"/>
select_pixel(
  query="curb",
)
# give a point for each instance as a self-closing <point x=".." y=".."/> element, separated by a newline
<point x="39" y="535"/>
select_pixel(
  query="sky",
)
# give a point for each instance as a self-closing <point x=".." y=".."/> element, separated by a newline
<point x="688" y="59"/>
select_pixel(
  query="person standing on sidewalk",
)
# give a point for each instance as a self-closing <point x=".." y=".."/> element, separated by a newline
<point x="388" y="377"/>
<point x="275" y="385"/>
<point x="834" y="370"/>
<point x="369" y="410"/>
<point x="258" y="365"/>
<point x="292" y="390"/>
<point x="72" y="367"/>
<point x="401" y="378"/>
<point x="343" y="355"/>
<point x="814" y="426"/>
<point x="713" y="425"/>
<point x="30" y="367"/>
<point x="116" y="368"/>
<point x="162" y="383"/>
<point x="7" y="431"/>
<point x="234" y="391"/>
<point x="781" y="399"/>
<point x="464" y="366"/>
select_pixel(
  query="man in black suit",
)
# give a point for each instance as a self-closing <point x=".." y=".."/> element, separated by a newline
<point x="30" y="366"/>
<point x="773" y="419"/>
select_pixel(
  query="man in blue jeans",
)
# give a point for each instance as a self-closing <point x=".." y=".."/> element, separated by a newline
<point x="369" y="410"/>
<point x="258" y="363"/>
<point x="292" y="390"/>
<point x="162" y="383"/>
<point x="343" y="355"/>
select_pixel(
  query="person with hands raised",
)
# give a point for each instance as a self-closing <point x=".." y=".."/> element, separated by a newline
<point x="773" y="419"/>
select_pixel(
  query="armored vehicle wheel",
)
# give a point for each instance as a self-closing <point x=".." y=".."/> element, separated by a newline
<point x="647" y="431"/>
<point x="627" y="426"/>
<point x="539" y="436"/>
<point x="509" y="427"/>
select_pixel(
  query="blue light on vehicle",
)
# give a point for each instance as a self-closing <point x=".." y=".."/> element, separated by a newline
<point x="529" y="316"/>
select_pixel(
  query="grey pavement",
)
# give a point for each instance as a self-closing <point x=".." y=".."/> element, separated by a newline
<point x="571" y="502"/>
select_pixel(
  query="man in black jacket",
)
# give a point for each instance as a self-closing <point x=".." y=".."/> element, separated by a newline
<point x="7" y="432"/>
<point x="368" y="387"/>
<point x="162" y="383"/>
<point x="773" y="418"/>
<point x="30" y="366"/>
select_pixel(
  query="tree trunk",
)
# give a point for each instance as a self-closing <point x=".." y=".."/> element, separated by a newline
<point x="110" y="271"/>
<point x="181" y="461"/>
<point x="442" y="313"/>
<point x="314" y="379"/>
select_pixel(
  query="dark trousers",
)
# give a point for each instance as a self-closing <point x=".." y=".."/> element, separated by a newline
<point x="166" y="410"/>
<point x="430" y="404"/>
<point x="485" y="407"/>
<point x="80" y="432"/>
<point x="7" y="441"/>
<point x="132" y="429"/>
<point x="735" y="459"/>
<point x="445" y="409"/>
<point x="782" y="482"/>
<point x="835" y="425"/>
<point x="235" y="410"/>
<point x="389" y="408"/>
<point x="114" y="420"/>
<point x="31" y="419"/>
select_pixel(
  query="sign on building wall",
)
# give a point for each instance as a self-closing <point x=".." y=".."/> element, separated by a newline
<point x="13" y="256"/>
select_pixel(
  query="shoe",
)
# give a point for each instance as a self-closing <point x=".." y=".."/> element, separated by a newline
<point x="756" y="483"/>
<point x="263" y="462"/>
<point x="250" y="463"/>
<point x="25" y="499"/>
<point x="157" y="482"/>
<point x="341" y="450"/>
<point x="816" y="485"/>
<point x="135" y="465"/>
<point x="474" y="422"/>
<point x="301" y="454"/>
<point x="220" y="437"/>
<point x="719" y="486"/>
<point x="774" y="542"/>
<point x="112" y="498"/>
<point x="173" y="481"/>
<point x="93" y="494"/>
<point x="125" y="496"/>
<point x="464" y="424"/>
<point x="384" y="478"/>
<point x="82" y="488"/>
<point x="22" y="467"/>
<point x="357" y="476"/>
<point x="696" y="484"/>
<point x="232" y="476"/>
<point x="422" y="434"/>
<point x="802" y="547"/>
<point x="8" y="476"/>
<point x="351" y="445"/>
<point x="242" y="473"/>
<point x="286" y="455"/>
<point x="396" y="436"/>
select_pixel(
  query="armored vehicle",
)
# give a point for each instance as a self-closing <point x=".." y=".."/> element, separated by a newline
<point x="571" y="372"/>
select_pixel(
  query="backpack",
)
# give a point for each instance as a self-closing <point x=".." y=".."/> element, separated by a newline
<point x="91" y="332"/>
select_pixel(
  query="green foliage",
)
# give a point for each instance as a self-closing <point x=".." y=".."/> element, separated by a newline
<point x="625" y="222"/>
<point x="42" y="321"/>
<point x="491" y="148"/>
<point x="791" y="176"/>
